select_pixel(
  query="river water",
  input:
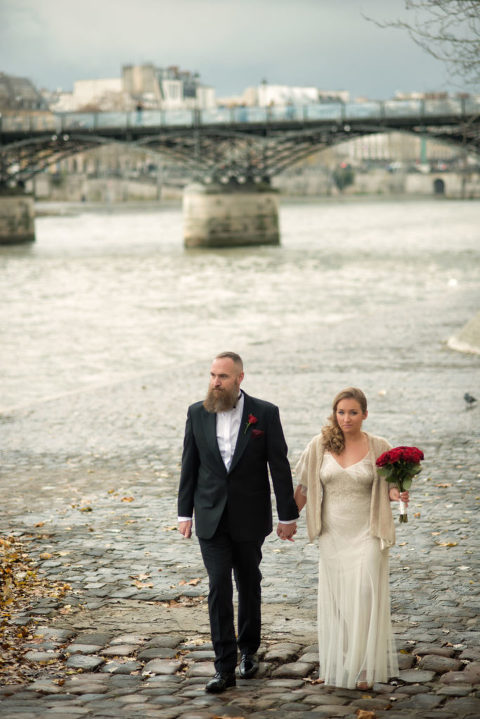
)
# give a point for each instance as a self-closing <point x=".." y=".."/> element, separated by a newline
<point x="108" y="327"/>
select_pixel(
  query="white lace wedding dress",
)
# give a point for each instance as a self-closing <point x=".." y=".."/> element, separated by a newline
<point x="354" y="627"/>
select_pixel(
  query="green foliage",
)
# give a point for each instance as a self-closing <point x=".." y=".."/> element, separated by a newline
<point x="343" y="176"/>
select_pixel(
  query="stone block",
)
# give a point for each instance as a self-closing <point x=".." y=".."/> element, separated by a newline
<point x="129" y="639"/>
<point x="422" y="649"/>
<point x="162" y="666"/>
<point x="405" y="661"/>
<point x="293" y="670"/>
<point x="464" y="706"/>
<point x="282" y="652"/>
<point x="164" y="653"/>
<point x="84" y="648"/>
<point x="201" y="669"/>
<point x="55" y="635"/>
<point x="414" y="676"/>
<point x="88" y="663"/>
<point x="41" y="657"/>
<point x="440" y="664"/>
<point x="119" y="650"/>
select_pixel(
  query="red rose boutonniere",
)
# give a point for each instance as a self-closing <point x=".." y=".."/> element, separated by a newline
<point x="251" y="420"/>
<point x="399" y="466"/>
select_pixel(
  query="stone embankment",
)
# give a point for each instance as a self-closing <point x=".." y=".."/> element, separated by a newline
<point x="130" y="636"/>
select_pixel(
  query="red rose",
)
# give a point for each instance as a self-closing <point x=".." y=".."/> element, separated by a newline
<point x="251" y="420"/>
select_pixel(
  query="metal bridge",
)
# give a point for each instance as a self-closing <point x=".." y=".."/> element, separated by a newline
<point x="242" y="144"/>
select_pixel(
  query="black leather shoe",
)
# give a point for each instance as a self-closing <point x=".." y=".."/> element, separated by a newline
<point x="248" y="666"/>
<point x="220" y="682"/>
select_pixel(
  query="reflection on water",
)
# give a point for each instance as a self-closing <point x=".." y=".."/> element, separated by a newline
<point x="363" y="292"/>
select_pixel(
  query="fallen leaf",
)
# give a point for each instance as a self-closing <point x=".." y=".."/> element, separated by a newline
<point x="127" y="499"/>
<point x="365" y="714"/>
<point x="194" y="582"/>
<point x="314" y="681"/>
<point x="446" y="544"/>
<point x="443" y="485"/>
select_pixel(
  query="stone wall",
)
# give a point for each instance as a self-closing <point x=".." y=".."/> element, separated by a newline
<point x="315" y="181"/>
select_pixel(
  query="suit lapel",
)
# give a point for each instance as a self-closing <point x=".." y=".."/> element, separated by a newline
<point x="243" y="436"/>
<point x="210" y="427"/>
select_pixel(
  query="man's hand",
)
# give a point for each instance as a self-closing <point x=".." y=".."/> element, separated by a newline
<point x="185" y="528"/>
<point x="286" y="531"/>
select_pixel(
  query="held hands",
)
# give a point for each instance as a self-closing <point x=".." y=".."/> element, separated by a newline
<point x="395" y="495"/>
<point x="286" y="531"/>
<point x="185" y="528"/>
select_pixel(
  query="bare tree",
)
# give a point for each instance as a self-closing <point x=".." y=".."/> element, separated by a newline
<point x="449" y="30"/>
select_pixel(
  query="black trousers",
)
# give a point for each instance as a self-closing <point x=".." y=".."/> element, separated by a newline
<point x="222" y="556"/>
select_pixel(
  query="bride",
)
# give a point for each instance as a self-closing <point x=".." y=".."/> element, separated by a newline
<point x="348" y="509"/>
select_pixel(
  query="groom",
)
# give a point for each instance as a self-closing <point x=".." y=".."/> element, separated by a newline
<point x="231" y="439"/>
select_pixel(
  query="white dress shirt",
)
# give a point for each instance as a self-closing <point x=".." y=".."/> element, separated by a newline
<point x="228" y="427"/>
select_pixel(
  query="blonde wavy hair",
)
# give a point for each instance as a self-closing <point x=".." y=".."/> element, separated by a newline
<point x="333" y="439"/>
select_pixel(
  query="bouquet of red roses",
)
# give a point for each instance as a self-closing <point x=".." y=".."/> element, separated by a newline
<point x="399" y="466"/>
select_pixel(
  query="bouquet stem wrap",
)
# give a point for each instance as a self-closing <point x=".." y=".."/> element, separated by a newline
<point x="399" y="465"/>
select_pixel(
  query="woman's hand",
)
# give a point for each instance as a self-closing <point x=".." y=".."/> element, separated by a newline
<point x="395" y="495"/>
<point x="300" y="498"/>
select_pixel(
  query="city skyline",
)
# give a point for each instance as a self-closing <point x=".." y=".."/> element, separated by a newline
<point x="231" y="44"/>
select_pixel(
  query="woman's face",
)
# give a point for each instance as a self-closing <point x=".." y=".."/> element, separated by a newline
<point x="350" y="416"/>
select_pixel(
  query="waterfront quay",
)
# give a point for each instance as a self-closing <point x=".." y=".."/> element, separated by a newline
<point x="131" y="635"/>
<point x="107" y="344"/>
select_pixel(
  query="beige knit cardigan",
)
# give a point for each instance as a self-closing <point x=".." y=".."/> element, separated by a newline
<point x="307" y="471"/>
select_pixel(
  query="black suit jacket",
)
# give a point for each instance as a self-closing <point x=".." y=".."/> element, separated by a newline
<point x="206" y="488"/>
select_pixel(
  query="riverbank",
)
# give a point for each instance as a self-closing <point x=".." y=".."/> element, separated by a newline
<point x="131" y="632"/>
<point x="108" y="329"/>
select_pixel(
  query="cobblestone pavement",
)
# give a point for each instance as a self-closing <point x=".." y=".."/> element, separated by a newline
<point x="131" y="637"/>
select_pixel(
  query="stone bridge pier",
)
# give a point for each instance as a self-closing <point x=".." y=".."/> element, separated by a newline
<point x="231" y="215"/>
<point x="17" y="218"/>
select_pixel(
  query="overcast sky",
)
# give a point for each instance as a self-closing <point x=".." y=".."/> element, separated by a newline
<point x="233" y="44"/>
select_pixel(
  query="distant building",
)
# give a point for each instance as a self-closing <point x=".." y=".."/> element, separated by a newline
<point x="265" y="95"/>
<point x="59" y="101"/>
<point x="19" y="93"/>
<point x="141" y="83"/>
<point x="99" y="94"/>
<point x="167" y="88"/>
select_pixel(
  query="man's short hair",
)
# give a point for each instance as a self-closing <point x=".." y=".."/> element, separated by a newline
<point x="233" y="356"/>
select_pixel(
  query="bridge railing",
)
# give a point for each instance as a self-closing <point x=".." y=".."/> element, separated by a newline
<point x="58" y="123"/>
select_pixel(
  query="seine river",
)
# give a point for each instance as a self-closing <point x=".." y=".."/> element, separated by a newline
<point x="108" y="326"/>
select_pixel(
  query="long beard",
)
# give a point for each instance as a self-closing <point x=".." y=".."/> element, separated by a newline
<point x="220" y="400"/>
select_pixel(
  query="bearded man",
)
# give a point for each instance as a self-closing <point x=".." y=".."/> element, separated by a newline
<point x="231" y="441"/>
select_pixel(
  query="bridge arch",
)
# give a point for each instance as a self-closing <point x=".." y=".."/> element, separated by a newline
<point x="239" y="144"/>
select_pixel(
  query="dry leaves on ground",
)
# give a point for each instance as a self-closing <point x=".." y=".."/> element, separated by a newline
<point x="19" y="585"/>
